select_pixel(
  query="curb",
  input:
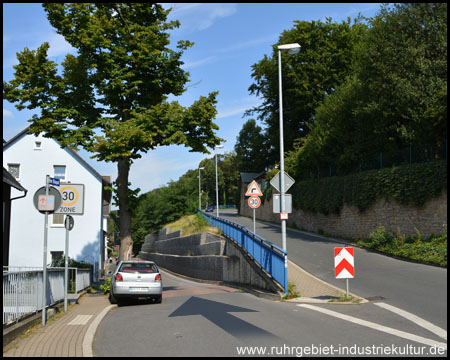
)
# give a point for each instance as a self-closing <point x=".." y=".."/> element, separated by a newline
<point x="88" y="339"/>
<point x="360" y="299"/>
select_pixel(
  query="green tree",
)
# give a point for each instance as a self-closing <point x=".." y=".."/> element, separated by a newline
<point x="402" y="65"/>
<point x="111" y="98"/>
<point x="251" y="148"/>
<point x="327" y="52"/>
<point x="396" y="95"/>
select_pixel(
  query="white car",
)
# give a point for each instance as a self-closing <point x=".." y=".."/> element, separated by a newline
<point x="136" y="279"/>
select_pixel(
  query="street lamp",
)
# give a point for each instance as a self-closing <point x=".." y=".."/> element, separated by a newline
<point x="199" y="190"/>
<point x="291" y="49"/>
<point x="217" y="184"/>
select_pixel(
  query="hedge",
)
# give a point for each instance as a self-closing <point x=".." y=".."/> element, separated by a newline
<point x="413" y="184"/>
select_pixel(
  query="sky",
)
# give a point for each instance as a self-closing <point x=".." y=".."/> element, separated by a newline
<point x="229" y="38"/>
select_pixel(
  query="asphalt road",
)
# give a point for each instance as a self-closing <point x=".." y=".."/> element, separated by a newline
<point x="416" y="288"/>
<point x="197" y="319"/>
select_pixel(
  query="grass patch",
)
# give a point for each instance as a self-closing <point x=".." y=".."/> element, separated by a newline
<point x="291" y="292"/>
<point x="344" y="298"/>
<point x="431" y="250"/>
<point x="192" y="224"/>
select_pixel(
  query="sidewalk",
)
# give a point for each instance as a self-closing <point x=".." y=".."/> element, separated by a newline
<point x="70" y="334"/>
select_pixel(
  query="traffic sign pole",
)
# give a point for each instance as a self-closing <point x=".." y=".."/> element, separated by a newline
<point x="254" y="221"/>
<point x="66" y="270"/>
<point x="44" y="266"/>
<point x="68" y="224"/>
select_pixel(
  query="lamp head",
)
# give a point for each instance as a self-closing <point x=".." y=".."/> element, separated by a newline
<point x="290" y="48"/>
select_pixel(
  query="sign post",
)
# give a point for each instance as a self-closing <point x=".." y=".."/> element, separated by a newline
<point x="68" y="224"/>
<point x="44" y="264"/>
<point x="46" y="200"/>
<point x="344" y="264"/>
<point x="254" y="201"/>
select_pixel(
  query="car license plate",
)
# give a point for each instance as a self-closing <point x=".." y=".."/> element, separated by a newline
<point x="138" y="289"/>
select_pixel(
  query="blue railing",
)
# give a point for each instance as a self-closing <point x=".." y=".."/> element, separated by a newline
<point x="271" y="258"/>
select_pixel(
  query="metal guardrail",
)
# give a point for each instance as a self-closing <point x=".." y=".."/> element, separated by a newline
<point x="22" y="289"/>
<point x="271" y="258"/>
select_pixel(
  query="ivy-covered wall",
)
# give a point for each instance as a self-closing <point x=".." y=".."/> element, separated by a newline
<point x="405" y="200"/>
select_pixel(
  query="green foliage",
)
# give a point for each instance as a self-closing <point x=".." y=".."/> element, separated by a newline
<point x="291" y="292"/>
<point x="106" y="287"/>
<point x="431" y="250"/>
<point x="327" y="52"/>
<point x="111" y="98"/>
<point x="408" y="184"/>
<point x="60" y="262"/>
<point x="251" y="147"/>
<point x="395" y="94"/>
<point x="179" y="198"/>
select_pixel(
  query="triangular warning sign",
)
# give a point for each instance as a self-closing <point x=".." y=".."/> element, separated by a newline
<point x="253" y="189"/>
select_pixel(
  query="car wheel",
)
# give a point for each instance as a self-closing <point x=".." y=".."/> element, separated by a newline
<point x="112" y="298"/>
<point x="158" y="299"/>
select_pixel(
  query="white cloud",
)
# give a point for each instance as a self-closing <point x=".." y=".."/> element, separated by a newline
<point x="238" y="107"/>
<point x="197" y="17"/>
<point x="248" y="44"/>
<point x="193" y="64"/>
<point x="7" y="113"/>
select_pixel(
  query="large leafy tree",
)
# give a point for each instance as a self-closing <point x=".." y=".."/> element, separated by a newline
<point x="396" y="95"/>
<point x="111" y="98"/>
<point x="327" y="52"/>
<point x="251" y="148"/>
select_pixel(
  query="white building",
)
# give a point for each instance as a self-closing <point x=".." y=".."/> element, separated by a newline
<point x="29" y="159"/>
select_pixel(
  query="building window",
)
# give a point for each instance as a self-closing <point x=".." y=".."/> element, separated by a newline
<point x="59" y="172"/>
<point x="14" y="170"/>
<point x="37" y="145"/>
<point x="58" y="220"/>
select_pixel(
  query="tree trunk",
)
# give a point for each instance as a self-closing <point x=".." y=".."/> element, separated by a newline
<point x="126" y="244"/>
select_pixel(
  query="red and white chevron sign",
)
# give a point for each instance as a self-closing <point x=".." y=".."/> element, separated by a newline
<point x="344" y="265"/>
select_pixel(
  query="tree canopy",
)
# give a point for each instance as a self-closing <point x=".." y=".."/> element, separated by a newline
<point x="111" y="97"/>
<point x="327" y="52"/>
<point x="394" y="96"/>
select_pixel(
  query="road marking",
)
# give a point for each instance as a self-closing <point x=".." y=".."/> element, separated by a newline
<point x="88" y="339"/>
<point x="415" y="319"/>
<point x="80" y="320"/>
<point x="378" y="327"/>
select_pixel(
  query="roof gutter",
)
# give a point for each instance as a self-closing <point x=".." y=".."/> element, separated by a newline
<point x="20" y="197"/>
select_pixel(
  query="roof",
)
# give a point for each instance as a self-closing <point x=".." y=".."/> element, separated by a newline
<point x="71" y="151"/>
<point x="11" y="181"/>
<point x="249" y="177"/>
<point x="106" y="180"/>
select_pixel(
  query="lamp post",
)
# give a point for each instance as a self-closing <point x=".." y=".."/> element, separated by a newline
<point x="291" y="49"/>
<point x="199" y="190"/>
<point x="217" y="184"/>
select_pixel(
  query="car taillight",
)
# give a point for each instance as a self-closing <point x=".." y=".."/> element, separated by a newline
<point x="158" y="277"/>
<point x="119" y="277"/>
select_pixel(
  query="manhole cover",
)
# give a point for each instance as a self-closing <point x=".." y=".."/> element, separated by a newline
<point x="375" y="298"/>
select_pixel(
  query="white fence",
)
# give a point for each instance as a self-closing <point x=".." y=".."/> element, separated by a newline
<point x="22" y="289"/>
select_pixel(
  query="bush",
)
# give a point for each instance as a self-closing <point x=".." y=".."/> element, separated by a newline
<point x="106" y="287"/>
<point x="432" y="250"/>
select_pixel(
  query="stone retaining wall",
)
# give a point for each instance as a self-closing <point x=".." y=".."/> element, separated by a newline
<point x="205" y="256"/>
<point x="396" y="218"/>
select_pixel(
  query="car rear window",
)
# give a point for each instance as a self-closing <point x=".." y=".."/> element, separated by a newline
<point x="138" y="267"/>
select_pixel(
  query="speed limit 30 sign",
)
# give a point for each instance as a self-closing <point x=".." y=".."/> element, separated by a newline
<point x="72" y="199"/>
<point x="254" y="202"/>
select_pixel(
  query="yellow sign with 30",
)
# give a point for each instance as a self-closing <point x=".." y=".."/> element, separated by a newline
<point x="72" y="199"/>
